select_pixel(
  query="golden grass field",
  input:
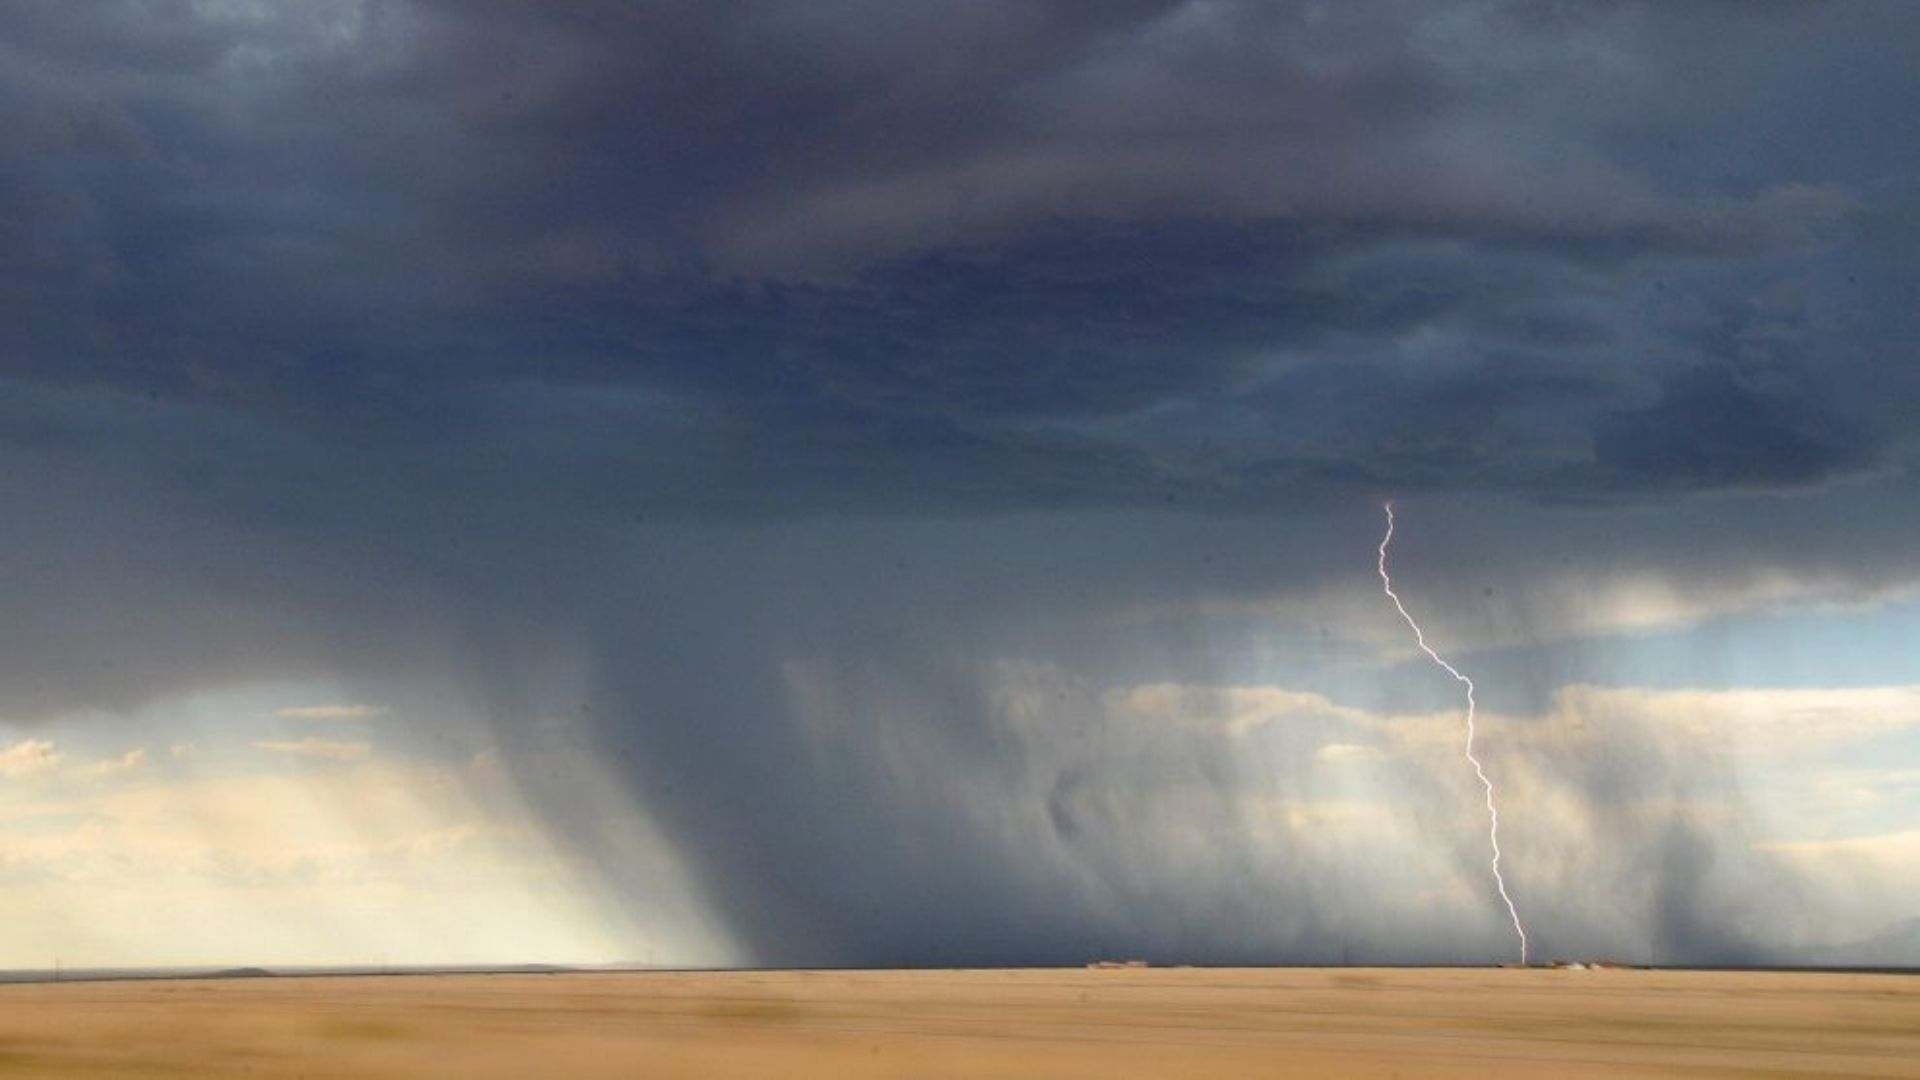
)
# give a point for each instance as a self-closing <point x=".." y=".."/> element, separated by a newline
<point x="935" y="1024"/>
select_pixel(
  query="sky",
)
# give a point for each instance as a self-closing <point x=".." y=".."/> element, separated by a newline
<point x="792" y="483"/>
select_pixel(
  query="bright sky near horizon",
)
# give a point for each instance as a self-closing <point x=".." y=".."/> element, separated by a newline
<point x="281" y="823"/>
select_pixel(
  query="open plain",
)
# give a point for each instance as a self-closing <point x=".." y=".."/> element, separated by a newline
<point x="1111" y="1024"/>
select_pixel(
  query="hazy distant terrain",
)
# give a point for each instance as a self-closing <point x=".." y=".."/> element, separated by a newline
<point x="1068" y="1023"/>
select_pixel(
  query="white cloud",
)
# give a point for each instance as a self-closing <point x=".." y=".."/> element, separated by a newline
<point x="330" y="749"/>
<point x="1346" y="753"/>
<point x="1755" y="720"/>
<point x="31" y="757"/>
<point x="1902" y="847"/>
<point x="1238" y="710"/>
<point x="330" y="712"/>
<point x="1647" y="601"/>
<point x="105" y="767"/>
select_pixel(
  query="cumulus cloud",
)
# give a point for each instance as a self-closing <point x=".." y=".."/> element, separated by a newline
<point x="1347" y="753"/>
<point x="1770" y="721"/>
<point x="1902" y="847"/>
<point x="113" y="766"/>
<point x="29" y="757"/>
<point x="330" y="712"/>
<point x="329" y="749"/>
<point x="1238" y="710"/>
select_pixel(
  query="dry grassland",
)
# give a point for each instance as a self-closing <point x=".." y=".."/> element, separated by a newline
<point x="1112" y="1025"/>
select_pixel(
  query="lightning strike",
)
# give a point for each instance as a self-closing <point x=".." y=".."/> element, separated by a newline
<point x="1493" y="811"/>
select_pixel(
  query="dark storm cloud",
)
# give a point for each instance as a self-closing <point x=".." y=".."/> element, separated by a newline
<point x="1709" y="430"/>
<point x="976" y="224"/>
<point x="503" y="337"/>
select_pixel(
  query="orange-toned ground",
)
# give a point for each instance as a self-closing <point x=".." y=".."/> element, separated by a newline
<point x="1107" y="1024"/>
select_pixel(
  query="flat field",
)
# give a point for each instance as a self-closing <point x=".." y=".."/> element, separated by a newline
<point x="1110" y="1024"/>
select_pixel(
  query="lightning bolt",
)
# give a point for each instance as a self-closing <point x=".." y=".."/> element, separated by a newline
<point x="1493" y="811"/>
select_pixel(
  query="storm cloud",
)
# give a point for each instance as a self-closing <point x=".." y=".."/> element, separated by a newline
<point x="835" y="412"/>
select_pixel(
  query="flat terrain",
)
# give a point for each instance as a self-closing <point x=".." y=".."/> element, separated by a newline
<point x="1065" y="1023"/>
